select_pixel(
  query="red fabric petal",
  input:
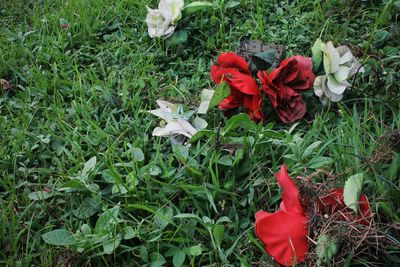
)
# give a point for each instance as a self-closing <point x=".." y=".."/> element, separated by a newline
<point x="233" y="69"/>
<point x="333" y="202"/>
<point x="284" y="235"/>
<point x="232" y="60"/>
<point x="290" y="196"/>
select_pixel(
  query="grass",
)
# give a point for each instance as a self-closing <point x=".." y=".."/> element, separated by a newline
<point x="83" y="75"/>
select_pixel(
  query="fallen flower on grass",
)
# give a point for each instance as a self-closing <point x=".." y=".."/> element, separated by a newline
<point x="285" y="232"/>
<point x="284" y="84"/>
<point x="234" y="70"/>
<point x="176" y="121"/>
<point x="339" y="66"/>
<point x="161" y="22"/>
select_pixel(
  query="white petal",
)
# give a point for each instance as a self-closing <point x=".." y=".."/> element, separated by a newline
<point x="346" y="58"/>
<point x="342" y="74"/>
<point x="331" y="58"/>
<point x="334" y="86"/>
<point x="178" y="127"/>
<point x="171" y="9"/>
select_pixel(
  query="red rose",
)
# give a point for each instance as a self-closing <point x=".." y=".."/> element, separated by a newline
<point x="234" y="70"/>
<point x="283" y="84"/>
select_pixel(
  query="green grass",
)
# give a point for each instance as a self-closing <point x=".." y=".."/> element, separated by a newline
<point x="82" y="92"/>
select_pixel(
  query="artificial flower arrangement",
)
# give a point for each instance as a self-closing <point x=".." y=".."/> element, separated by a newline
<point x="284" y="82"/>
<point x="255" y="78"/>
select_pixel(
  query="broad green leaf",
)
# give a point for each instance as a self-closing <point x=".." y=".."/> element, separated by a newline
<point x="236" y="121"/>
<point x="59" y="237"/>
<point x="160" y="221"/>
<point x="317" y="54"/>
<point x="73" y="185"/>
<point x="157" y="260"/>
<point x="195" y="250"/>
<point x="110" y="245"/>
<point x="89" y="166"/>
<point x="39" y="195"/>
<point x="129" y="233"/>
<point x="178" y="38"/>
<point x="138" y="154"/>
<point x="88" y="207"/>
<point x="194" y="7"/>
<point x="199" y="123"/>
<point x="218" y="233"/>
<point x="201" y="134"/>
<point x="326" y="249"/>
<point x="222" y="91"/>
<point x="352" y="191"/>
<point x="232" y="4"/>
<point x="106" y="220"/>
<point x="85" y="229"/>
<point x="310" y="149"/>
<point x="206" y="95"/>
<point x="181" y="152"/>
<point x="179" y="258"/>
<point x="225" y="160"/>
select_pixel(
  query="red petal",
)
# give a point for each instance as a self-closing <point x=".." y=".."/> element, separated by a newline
<point x="334" y="202"/>
<point x="290" y="196"/>
<point x="232" y="60"/>
<point x="284" y="235"/>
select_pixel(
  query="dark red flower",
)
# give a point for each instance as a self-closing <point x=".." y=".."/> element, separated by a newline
<point x="234" y="70"/>
<point x="333" y="203"/>
<point x="284" y="233"/>
<point x="283" y="84"/>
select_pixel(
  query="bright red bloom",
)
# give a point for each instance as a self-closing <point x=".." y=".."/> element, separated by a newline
<point x="234" y="70"/>
<point x="284" y="233"/>
<point x="283" y="84"/>
<point x="333" y="203"/>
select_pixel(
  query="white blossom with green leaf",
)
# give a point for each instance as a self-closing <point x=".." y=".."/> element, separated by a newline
<point x="339" y="66"/>
<point x="161" y="22"/>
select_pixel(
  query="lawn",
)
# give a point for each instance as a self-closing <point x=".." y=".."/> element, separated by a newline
<point x="83" y="181"/>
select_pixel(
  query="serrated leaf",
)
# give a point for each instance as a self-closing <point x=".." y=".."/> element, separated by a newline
<point x="194" y="7"/>
<point x="352" y="191"/>
<point x="236" y="121"/>
<point x="59" y="237"/>
<point x="317" y="54"/>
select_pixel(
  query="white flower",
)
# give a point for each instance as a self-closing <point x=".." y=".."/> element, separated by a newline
<point x="174" y="122"/>
<point x="339" y="65"/>
<point x="161" y="22"/>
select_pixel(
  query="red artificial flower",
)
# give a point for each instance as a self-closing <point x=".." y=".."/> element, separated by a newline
<point x="283" y="84"/>
<point x="234" y="70"/>
<point x="284" y="233"/>
<point x="333" y="204"/>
